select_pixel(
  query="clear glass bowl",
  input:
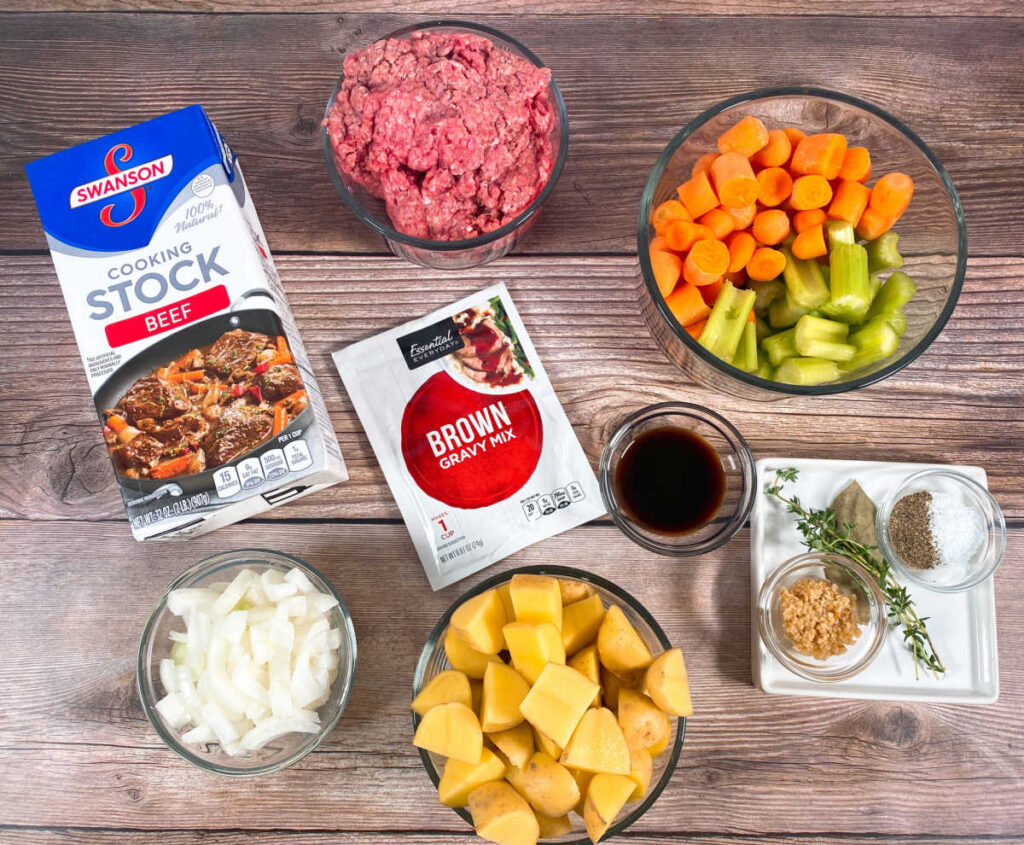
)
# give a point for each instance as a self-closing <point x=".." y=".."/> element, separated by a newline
<point x="433" y="661"/>
<point x="471" y="252"/>
<point x="933" y="236"/>
<point x="156" y="644"/>
<point x="737" y="462"/>
<point x="851" y="578"/>
<point x="983" y="562"/>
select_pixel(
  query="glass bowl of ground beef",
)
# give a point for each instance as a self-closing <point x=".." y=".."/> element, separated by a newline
<point x="446" y="138"/>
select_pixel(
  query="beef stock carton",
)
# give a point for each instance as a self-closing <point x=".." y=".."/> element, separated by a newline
<point x="210" y="409"/>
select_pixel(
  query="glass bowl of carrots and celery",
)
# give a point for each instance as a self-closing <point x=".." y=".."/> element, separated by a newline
<point x="798" y="241"/>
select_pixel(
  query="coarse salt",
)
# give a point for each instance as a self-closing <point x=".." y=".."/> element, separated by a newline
<point x="957" y="529"/>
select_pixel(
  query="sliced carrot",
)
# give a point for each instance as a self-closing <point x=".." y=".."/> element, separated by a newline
<point x="820" y="155"/>
<point x="668" y="212"/>
<point x="681" y="234"/>
<point x="687" y="305"/>
<point x="806" y="219"/>
<point x="697" y="195"/>
<point x="734" y="181"/>
<point x="667" y="267"/>
<point x="718" y="222"/>
<point x="777" y="151"/>
<point x="171" y="467"/>
<point x="694" y="329"/>
<point x="849" y="201"/>
<point x="194" y="375"/>
<point x="892" y="194"/>
<point x="856" y="165"/>
<point x="774" y="186"/>
<point x="810" y="243"/>
<point x="765" y="264"/>
<point x="658" y="242"/>
<point x="280" y="419"/>
<point x="741" y="217"/>
<point x="118" y="424"/>
<point x="872" y="224"/>
<point x="703" y="164"/>
<point x="710" y="292"/>
<point x="795" y="136"/>
<point x="706" y="261"/>
<point x="282" y="345"/>
<point x="746" y="137"/>
<point x="771" y="227"/>
<point x="810" y="192"/>
<point x="741" y="247"/>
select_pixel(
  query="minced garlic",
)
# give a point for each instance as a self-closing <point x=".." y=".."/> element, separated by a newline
<point x="818" y="617"/>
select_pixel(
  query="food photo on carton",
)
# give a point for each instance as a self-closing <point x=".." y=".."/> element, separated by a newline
<point x="210" y="410"/>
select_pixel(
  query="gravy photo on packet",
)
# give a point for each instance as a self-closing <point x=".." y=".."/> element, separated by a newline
<point x="474" y="444"/>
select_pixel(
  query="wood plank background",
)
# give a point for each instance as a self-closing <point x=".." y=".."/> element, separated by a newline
<point x="79" y="763"/>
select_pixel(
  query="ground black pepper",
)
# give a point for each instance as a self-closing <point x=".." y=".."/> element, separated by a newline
<point x="910" y="532"/>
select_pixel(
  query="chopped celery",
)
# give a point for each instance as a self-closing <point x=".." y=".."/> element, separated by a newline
<point x="783" y="312"/>
<point x="766" y="293"/>
<point x="874" y="285"/>
<point x="761" y="328"/>
<point x="806" y="371"/>
<point x="816" y="328"/>
<point x="851" y="289"/>
<point x="894" y="317"/>
<point x="897" y="291"/>
<point x="764" y="367"/>
<point x="874" y="342"/>
<point x="724" y="328"/>
<point x="804" y="283"/>
<point x="780" y="346"/>
<point x="830" y="349"/>
<point x="883" y="253"/>
<point x="840" y="232"/>
<point x="746" y="354"/>
<point x="826" y="273"/>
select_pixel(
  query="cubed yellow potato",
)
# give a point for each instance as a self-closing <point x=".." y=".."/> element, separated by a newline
<point x="658" y="748"/>
<point x="548" y="785"/>
<point x="503" y="692"/>
<point x="597" y="745"/>
<point x="606" y="796"/>
<point x="580" y="623"/>
<point x="641" y="767"/>
<point x="619" y="646"/>
<point x="445" y="687"/>
<point x="469" y="661"/>
<point x="547" y="744"/>
<point x="451" y="730"/>
<point x="460" y="778"/>
<point x="501" y="815"/>
<point x="582" y="779"/>
<point x="532" y="647"/>
<point x="557" y="701"/>
<point x="536" y="598"/>
<point x="506" y="601"/>
<point x="551" y="827"/>
<point x="585" y="662"/>
<point x="515" y="743"/>
<point x="667" y="683"/>
<point x="611" y="683"/>
<point x="643" y="723"/>
<point x="573" y="590"/>
<point x="476" y="694"/>
<point x="479" y="621"/>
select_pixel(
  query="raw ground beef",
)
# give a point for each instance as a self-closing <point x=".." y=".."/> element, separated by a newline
<point x="452" y="132"/>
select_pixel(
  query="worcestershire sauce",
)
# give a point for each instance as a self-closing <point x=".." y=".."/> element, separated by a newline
<point x="670" y="480"/>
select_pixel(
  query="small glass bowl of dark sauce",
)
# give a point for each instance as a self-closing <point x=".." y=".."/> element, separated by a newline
<point x="677" y="479"/>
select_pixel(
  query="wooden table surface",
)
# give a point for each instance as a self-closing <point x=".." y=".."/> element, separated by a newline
<point x="79" y="762"/>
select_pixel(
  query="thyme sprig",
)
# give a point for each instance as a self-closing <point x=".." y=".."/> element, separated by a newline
<point x="820" y="532"/>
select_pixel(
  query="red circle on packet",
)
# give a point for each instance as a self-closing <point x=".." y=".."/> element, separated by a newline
<point x="470" y="449"/>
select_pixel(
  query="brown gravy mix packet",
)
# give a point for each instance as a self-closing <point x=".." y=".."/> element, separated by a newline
<point x="472" y="439"/>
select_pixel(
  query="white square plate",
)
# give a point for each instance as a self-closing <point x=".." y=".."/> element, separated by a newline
<point x="962" y="625"/>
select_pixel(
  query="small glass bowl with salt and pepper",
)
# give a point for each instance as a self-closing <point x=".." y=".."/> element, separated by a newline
<point x="941" y="530"/>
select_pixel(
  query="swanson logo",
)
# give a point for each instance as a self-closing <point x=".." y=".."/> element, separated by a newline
<point x="118" y="181"/>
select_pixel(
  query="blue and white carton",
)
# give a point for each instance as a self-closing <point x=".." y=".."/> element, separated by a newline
<point x="166" y="274"/>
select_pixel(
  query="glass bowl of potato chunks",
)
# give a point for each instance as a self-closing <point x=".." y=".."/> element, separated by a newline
<point x="549" y="705"/>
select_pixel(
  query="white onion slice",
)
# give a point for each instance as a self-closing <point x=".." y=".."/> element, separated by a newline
<point x="276" y="727"/>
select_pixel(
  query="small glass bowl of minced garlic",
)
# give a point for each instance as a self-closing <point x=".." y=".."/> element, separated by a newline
<point x="942" y="530"/>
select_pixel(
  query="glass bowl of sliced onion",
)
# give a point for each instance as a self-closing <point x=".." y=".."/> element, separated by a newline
<point x="247" y="662"/>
